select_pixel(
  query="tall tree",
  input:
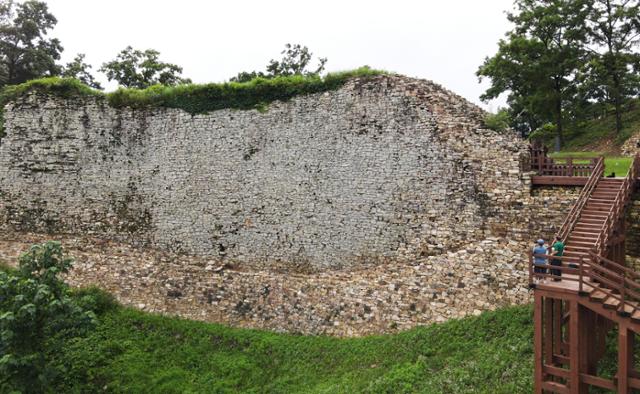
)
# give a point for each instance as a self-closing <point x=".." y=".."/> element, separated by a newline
<point x="25" y="50"/>
<point x="78" y="69"/>
<point x="133" y="68"/>
<point x="296" y="60"/>
<point x="538" y="61"/>
<point x="614" y="33"/>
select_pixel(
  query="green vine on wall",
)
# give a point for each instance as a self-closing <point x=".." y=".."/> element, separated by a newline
<point x="193" y="98"/>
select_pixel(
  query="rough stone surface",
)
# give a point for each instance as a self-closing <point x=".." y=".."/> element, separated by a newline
<point x="381" y="169"/>
<point x="631" y="145"/>
<point x="374" y="208"/>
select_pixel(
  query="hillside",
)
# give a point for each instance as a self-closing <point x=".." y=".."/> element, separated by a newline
<point x="598" y="134"/>
<point x="131" y="351"/>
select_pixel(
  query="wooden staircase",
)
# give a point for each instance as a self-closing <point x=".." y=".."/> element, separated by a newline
<point x="594" y="293"/>
<point x="591" y="222"/>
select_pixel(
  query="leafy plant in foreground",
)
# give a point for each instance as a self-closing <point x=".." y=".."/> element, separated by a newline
<point x="35" y="308"/>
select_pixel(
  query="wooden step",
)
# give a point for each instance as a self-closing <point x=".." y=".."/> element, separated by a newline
<point x="598" y="203"/>
<point x="601" y="201"/>
<point x="586" y="234"/>
<point x="636" y="317"/>
<point x="581" y="241"/>
<point x="599" y="208"/>
<point x="594" y="215"/>
<point x="598" y="295"/>
<point x="572" y="242"/>
<point x="611" y="303"/>
<point x="628" y="308"/>
<point x="589" y="220"/>
<point x="588" y="228"/>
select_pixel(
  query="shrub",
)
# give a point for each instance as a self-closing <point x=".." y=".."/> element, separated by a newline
<point x="499" y="121"/>
<point x="95" y="299"/>
<point x="35" y="307"/>
<point x="545" y="133"/>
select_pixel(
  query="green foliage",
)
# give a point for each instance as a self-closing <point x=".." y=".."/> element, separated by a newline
<point x="132" y="351"/>
<point x="248" y="95"/>
<point x="538" y="61"/>
<point x="295" y="61"/>
<point x="95" y="299"/>
<point x="612" y="164"/>
<point x="61" y="87"/>
<point x="611" y="74"/>
<point x="79" y="70"/>
<point x="545" y="133"/>
<point x="25" y="52"/>
<point x="133" y="68"/>
<point x="597" y="129"/>
<point x="36" y="312"/>
<point x="196" y="98"/>
<point x="499" y="121"/>
<point x="254" y="94"/>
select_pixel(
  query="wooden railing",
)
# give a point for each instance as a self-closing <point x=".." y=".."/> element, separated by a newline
<point x="618" y="282"/>
<point x="548" y="166"/>
<point x="576" y="210"/>
<point x="617" y="210"/>
<point x="596" y="272"/>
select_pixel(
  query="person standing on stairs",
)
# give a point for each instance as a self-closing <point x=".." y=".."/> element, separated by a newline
<point x="557" y="250"/>
<point x="538" y="250"/>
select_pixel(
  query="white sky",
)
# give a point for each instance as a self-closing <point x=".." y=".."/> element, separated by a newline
<point x="444" y="41"/>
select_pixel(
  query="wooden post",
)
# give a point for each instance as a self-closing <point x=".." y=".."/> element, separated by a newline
<point x="574" y="348"/>
<point x="537" y="343"/>
<point x="557" y="326"/>
<point x="570" y="164"/>
<point x="588" y="357"/>
<point x="625" y="358"/>
<point x="548" y="336"/>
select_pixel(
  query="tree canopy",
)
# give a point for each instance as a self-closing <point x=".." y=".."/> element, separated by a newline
<point x="564" y="57"/>
<point x="79" y="70"/>
<point x="134" y="68"/>
<point x="296" y="60"/>
<point x="25" y="50"/>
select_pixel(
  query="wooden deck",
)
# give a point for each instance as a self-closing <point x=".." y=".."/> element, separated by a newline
<point x="581" y="297"/>
<point x="550" y="180"/>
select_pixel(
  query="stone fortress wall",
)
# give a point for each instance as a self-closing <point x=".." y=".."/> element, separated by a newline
<point x="381" y="205"/>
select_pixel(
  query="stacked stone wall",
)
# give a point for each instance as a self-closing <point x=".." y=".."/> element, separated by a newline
<point x="377" y="207"/>
<point x="384" y="169"/>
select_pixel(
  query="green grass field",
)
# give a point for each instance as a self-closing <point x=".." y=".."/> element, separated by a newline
<point x="617" y="164"/>
<point x="135" y="352"/>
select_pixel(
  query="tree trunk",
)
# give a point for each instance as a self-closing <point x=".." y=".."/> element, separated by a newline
<point x="617" y="102"/>
<point x="559" y="131"/>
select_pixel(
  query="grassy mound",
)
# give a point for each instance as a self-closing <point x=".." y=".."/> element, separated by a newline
<point x="131" y="351"/>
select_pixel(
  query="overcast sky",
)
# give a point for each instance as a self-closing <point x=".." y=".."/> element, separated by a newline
<point x="444" y="41"/>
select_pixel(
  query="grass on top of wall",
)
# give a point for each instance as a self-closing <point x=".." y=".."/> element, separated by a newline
<point x="196" y="98"/>
<point x="193" y="98"/>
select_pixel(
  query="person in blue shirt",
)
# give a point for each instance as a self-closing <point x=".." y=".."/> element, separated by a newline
<point x="539" y="249"/>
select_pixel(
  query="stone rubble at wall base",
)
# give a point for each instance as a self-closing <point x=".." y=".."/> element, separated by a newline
<point x="375" y="208"/>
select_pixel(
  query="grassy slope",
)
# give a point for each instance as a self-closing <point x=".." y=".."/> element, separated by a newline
<point x="132" y="351"/>
<point x="600" y="133"/>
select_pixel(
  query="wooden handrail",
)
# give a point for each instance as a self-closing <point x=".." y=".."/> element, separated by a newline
<point x="585" y="193"/>
<point x="617" y="209"/>
<point x="612" y="279"/>
<point x="596" y="271"/>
